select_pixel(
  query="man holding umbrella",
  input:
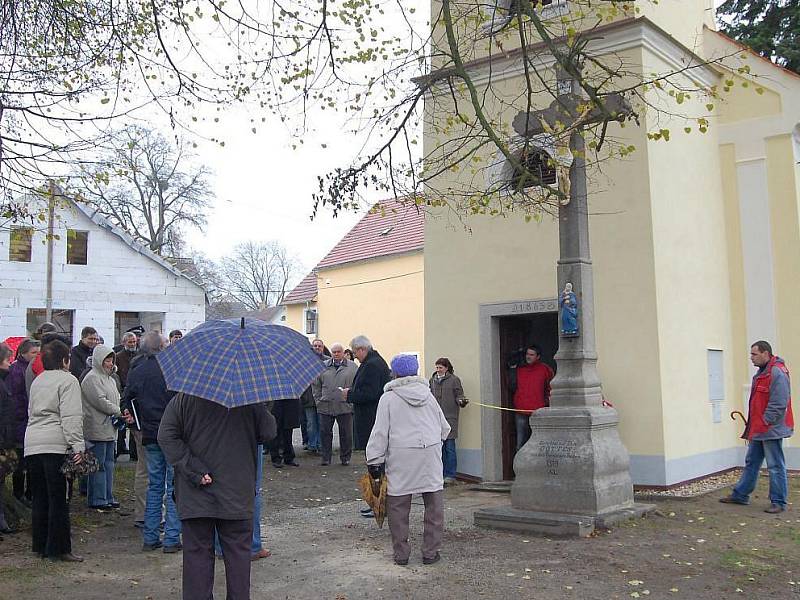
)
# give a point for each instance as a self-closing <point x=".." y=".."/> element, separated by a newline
<point x="210" y="432"/>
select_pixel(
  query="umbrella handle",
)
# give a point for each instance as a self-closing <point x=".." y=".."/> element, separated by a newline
<point x="242" y="324"/>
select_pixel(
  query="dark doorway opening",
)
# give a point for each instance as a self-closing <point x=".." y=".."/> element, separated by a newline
<point x="516" y="332"/>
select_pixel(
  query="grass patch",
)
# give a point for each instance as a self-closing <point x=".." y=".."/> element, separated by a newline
<point x="752" y="563"/>
<point x="789" y="533"/>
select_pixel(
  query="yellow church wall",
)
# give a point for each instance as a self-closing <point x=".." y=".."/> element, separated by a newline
<point x="503" y="259"/>
<point x="380" y="298"/>
<point x="740" y="368"/>
<point x="691" y="262"/>
<point x="742" y="103"/>
<point x="785" y="229"/>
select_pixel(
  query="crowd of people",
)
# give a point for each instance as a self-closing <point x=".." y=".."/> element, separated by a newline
<point x="62" y="408"/>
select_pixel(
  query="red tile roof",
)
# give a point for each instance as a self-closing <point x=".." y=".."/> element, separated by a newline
<point x="391" y="227"/>
<point x="305" y="291"/>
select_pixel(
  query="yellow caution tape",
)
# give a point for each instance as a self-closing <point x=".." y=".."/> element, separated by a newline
<point x="494" y="406"/>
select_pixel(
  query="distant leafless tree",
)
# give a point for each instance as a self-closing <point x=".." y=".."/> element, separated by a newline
<point x="258" y="274"/>
<point x="148" y="186"/>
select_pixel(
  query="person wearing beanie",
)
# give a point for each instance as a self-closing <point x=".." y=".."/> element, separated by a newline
<point x="407" y="440"/>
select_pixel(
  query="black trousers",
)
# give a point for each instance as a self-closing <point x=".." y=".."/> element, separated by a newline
<point x="198" y="557"/>
<point x="282" y="445"/>
<point x="50" y="511"/>
<point x="345" y="423"/>
<point x="18" y="479"/>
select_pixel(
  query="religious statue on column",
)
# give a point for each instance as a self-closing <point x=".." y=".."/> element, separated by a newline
<point x="568" y="306"/>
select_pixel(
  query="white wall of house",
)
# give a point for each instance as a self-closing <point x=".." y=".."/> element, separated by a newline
<point x="117" y="277"/>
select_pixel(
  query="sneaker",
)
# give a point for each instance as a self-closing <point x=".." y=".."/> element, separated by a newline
<point x="368" y="515"/>
<point x="113" y="504"/>
<point x="366" y="510"/>
<point x="173" y="549"/>
<point x="434" y="559"/>
<point x="776" y="508"/>
<point x="151" y="547"/>
<point x="449" y="480"/>
<point x="345" y="463"/>
<point x="733" y="500"/>
<point x="104" y="508"/>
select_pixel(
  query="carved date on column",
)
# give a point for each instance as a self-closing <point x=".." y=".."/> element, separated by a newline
<point x="552" y="466"/>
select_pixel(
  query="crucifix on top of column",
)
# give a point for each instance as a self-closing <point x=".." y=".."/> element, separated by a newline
<point x="577" y="382"/>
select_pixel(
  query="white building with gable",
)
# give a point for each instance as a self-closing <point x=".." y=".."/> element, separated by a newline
<point x="100" y="277"/>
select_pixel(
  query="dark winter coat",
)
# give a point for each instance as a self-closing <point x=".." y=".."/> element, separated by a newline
<point x="8" y="419"/>
<point x="123" y="360"/>
<point x="201" y="437"/>
<point x="148" y="390"/>
<point x="307" y="397"/>
<point x="77" y="359"/>
<point x="450" y="396"/>
<point x="286" y="413"/>
<point x="367" y="389"/>
<point x="15" y="384"/>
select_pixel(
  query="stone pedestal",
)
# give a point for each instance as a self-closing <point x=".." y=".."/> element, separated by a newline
<point x="572" y="476"/>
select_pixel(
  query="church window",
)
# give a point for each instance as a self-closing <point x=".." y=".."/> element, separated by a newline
<point x="540" y="170"/>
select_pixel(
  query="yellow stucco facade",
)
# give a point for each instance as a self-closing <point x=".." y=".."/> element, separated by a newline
<point x="381" y="298"/>
<point x="679" y="270"/>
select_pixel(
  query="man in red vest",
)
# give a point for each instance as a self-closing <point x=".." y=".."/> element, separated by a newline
<point x="532" y="391"/>
<point x="770" y="419"/>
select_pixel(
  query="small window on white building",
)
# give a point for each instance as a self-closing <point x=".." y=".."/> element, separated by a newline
<point x="311" y="321"/>
<point x="716" y="384"/>
<point x="77" y="247"/>
<point x="63" y="319"/>
<point x="19" y="248"/>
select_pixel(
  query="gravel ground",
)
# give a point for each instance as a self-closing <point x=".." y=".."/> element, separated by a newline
<point x="323" y="549"/>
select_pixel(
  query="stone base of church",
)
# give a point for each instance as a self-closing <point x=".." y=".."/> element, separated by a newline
<point x="553" y="524"/>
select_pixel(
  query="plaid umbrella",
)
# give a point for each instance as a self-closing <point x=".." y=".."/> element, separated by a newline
<point x="235" y="363"/>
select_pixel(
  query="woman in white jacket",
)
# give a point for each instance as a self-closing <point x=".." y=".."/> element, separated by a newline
<point x="55" y="426"/>
<point x="100" y="403"/>
<point x="407" y="438"/>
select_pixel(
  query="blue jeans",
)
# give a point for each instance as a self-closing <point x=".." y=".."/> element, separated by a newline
<point x="449" y="458"/>
<point x="757" y="451"/>
<point x="100" y="485"/>
<point x="159" y="492"/>
<point x="523" y="423"/>
<point x="312" y="428"/>
<point x="256" y="545"/>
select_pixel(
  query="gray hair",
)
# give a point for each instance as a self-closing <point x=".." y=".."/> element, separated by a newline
<point x="150" y="342"/>
<point x="336" y="345"/>
<point x="128" y="335"/>
<point x="360" y="341"/>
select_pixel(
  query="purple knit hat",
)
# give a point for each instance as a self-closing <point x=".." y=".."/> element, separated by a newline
<point x="405" y="365"/>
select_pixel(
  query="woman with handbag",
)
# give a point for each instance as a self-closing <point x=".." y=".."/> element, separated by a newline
<point x="8" y="424"/>
<point x="447" y="390"/>
<point x="407" y="439"/>
<point x="55" y="427"/>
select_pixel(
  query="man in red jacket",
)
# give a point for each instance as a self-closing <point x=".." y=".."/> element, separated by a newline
<point x="532" y="391"/>
<point x="769" y="421"/>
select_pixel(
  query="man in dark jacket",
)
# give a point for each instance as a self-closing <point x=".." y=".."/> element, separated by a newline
<point x="79" y="354"/>
<point x="122" y="359"/>
<point x="213" y="450"/>
<point x="287" y="419"/>
<point x="367" y="388"/>
<point x="147" y="394"/>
